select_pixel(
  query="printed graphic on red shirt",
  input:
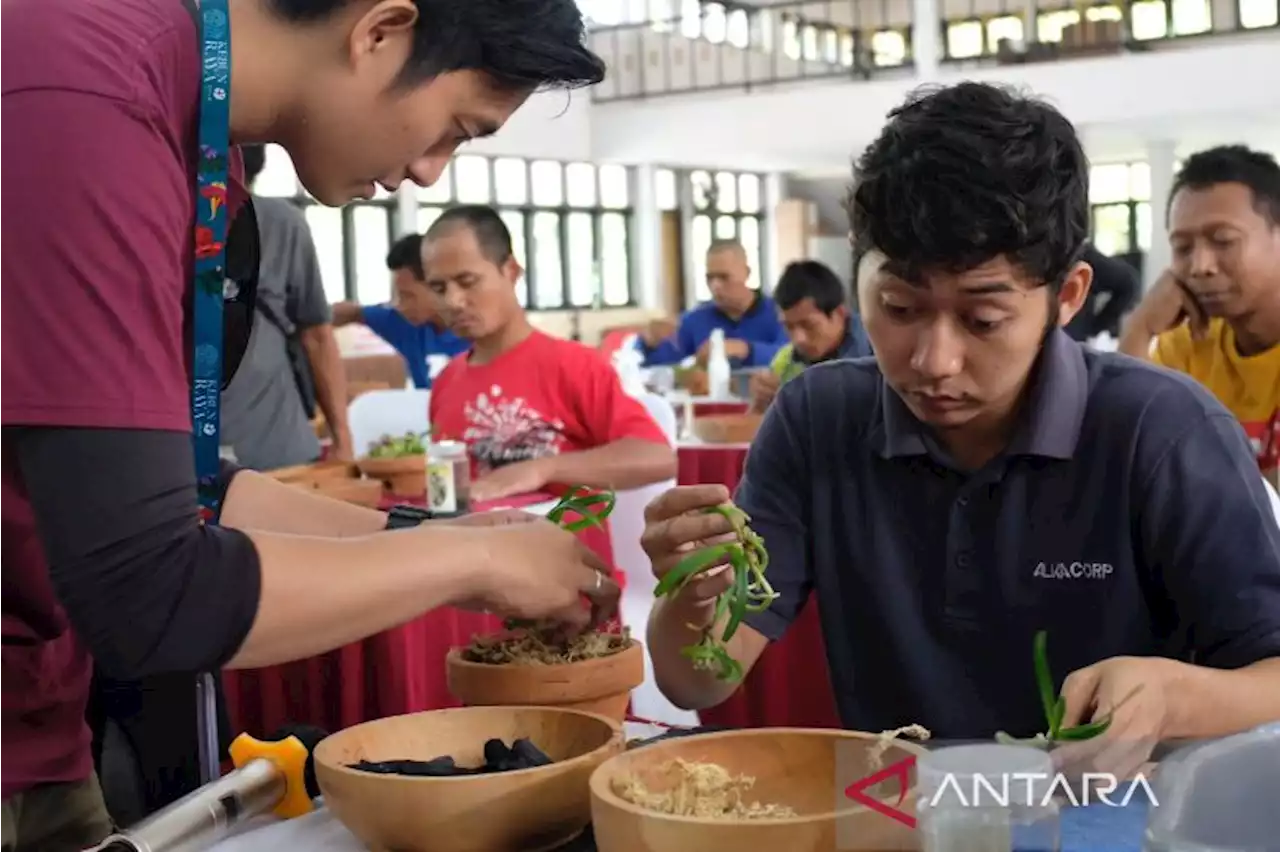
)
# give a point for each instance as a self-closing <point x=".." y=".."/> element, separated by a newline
<point x="503" y="429"/>
<point x="1265" y="437"/>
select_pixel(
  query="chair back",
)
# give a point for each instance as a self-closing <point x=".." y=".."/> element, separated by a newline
<point x="1275" y="498"/>
<point x="387" y="412"/>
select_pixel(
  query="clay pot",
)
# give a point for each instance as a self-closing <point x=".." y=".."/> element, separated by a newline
<point x="798" y="767"/>
<point x="403" y="477"/>
<point x="727" y="428"/>
<point x="602" y="685"/>
<point x="528" y="810"/>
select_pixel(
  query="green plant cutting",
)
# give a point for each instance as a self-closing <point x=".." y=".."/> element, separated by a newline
<point x="1055" y="707"/>
<point x="395" y="447"/>
<point x="749" y="592"/>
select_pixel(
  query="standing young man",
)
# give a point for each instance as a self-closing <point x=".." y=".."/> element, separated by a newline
<point x="1215" y="313"/>
<point x="104" y="550"/>
<point x="987" y="477"/>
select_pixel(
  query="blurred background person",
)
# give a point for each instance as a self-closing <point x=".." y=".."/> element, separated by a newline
<point x="1115" y="291"/>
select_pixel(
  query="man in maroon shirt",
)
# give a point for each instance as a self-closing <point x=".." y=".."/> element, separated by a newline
<point x="103" y="552"/>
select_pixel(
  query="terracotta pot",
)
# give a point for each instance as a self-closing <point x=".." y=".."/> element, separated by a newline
<point x="602" y="685"/>
<point x="404" y="477"/>
<point x="798" y="767"/>
<point x="528" y="810"/>
<point x="727" y="428"/>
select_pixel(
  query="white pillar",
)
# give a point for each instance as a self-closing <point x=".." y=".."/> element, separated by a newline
<point x="646" y="249"/>
<point x="775" y="190"/>
<point x="926" y="38"/>
<point x="406" y="209"/>
<point x="1161" y="158"/>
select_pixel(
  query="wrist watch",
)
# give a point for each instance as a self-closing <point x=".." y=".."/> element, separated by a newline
<point x="403" y="517"/>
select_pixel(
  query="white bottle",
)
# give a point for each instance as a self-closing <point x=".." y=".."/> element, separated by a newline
<point x="718" y="371"/>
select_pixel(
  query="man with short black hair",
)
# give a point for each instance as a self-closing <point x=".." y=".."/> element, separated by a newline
<point x="985" y="477"/>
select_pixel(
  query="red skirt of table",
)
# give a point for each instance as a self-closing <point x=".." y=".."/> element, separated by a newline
<point x="790" y="685"/>
<point x="394" y="672"/>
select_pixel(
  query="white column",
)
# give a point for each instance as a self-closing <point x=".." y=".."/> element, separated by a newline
<point x="406" y="208"/>
<point x="1161" y="157"/>
<point x="775" y="190"/>
<point x="646" y="249"/>
<point x="926" y="38"/>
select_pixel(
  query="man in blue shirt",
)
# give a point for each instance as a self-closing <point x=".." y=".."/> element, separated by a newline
<point x="987" y="477"/>
<point x="753" y="333"/>
<point x="410" y="323"/>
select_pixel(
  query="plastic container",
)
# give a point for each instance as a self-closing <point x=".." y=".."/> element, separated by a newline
<point x="1219" y="795"/>
<point x="986" y="798"/>
<point x="448" y="479"/>
<point x="719" y="373"/>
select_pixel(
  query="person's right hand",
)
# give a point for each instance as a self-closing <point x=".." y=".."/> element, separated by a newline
<point x="763" y="388"/>
<point x="657" y="331"/>
<point x="677" y="524"/>
<point x="537" y="571"/>
<point x="1168" y="305"/>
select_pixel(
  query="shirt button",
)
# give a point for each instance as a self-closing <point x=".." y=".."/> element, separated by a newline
<point x="963" y="560"/>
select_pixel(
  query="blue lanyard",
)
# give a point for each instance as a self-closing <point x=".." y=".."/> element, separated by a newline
<point x="210" y="248"/>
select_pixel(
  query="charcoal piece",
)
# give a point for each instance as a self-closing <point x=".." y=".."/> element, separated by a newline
<point x="440" y="767"/>
<point x="522" y="754"/>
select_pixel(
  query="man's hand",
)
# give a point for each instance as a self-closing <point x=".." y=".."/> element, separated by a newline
<point x="657" y="331"/>
<point x="733" y="348"/>
<point x="1169" y="304"/>
<point x="341" y="449"/>
<point x="675" y="525"/>
<point x="1135" y="692"/>
<point x="526" y="477"/>
<point x="764" y="387"/>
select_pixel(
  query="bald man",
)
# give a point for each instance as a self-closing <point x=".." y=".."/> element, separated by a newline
<point x="753" y="333"/>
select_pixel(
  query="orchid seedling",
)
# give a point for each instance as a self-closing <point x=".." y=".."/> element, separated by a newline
<point x="750" y="591"/>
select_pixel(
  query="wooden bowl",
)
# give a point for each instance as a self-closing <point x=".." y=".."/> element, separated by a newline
<point x="315" y="473"/>
<point x="528" y="810"/>
<point x="602" y="685"/>
<point x="806" y="769"/>
<point x="404" y="477"/>
<point x="727" y="428"/>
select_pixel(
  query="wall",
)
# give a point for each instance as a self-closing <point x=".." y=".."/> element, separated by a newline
<point x="1181" y="91"/>
<point x="550" y="125"/>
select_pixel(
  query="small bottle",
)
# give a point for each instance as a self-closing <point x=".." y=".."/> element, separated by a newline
<point x="987" y="798"/>
<point x="448" y="479"/>
<point x="719" y="372"/>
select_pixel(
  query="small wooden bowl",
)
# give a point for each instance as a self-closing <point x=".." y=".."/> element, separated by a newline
<point x="315" y="473"/>
<point x="404" y="477"/>
<point x="528" y="810"/>
<point x="805" y="769"/>
<point x="727" y="428"/>
<point x="602" y="685"/>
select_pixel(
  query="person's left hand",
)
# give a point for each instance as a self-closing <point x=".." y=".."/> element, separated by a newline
<point x="510" y="480"/>
<point x="1135" y="691"/>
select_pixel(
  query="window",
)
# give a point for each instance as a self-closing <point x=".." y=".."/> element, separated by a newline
<point x="1120" y="195"/>
<point x="570" y="225"/>
<point x="1255" y="14"/>
<point x="727" y="206"/>
<point x="964" y="39"/>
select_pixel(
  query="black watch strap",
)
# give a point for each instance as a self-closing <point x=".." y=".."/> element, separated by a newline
<point x="403" y="517"/>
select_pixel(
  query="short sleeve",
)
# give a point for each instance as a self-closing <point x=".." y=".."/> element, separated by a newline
<point x="771" y="493"/>
<point x="384" y="321"/>
<point x="1210" y="535"/>
<point x="95" y="264"/>
<point x="308" y="305"/>
<point x="1173" y="350"/>
<point x="607" y="411"/>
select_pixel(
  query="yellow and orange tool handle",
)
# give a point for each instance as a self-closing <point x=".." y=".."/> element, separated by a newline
<point x="290" y="757"/>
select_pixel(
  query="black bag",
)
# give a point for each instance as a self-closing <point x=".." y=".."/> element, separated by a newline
<point x="298" y="360"/>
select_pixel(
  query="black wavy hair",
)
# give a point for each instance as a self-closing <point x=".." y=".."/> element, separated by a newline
<point x="1234" y="164"/>
<point x="967" y="173"/>
<point x="521" y="45"/>
<point x="809" y="279"/>
<point x="406" y="253"/>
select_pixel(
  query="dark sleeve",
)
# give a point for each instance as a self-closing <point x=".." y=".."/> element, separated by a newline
<point x="148" y="587"/>
<point x="1119" y="282"/>
<point x="772" y="493"/>
<point x="1210" y="534"/>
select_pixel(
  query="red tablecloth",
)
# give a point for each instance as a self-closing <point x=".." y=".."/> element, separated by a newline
<point x="789" y="685"/>
<point x="397" y="671"/>
<point x="715" y="409"/>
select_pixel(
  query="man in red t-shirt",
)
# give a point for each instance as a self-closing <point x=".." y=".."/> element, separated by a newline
<point x="104" y="553"/>
<point x="537" y="412"/>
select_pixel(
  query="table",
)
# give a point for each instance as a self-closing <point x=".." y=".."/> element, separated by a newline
<point x="397" y="671"/>
<point x="789" y="685"/>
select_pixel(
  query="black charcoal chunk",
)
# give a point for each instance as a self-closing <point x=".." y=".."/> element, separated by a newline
<point x="522" y="754"/>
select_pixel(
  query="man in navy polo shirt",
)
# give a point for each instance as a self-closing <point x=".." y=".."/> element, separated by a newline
<point x="986" y="477"/>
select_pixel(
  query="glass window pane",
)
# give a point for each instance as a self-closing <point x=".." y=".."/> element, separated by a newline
<point x="472" y="176"/>
<point x="739" y="28"/>
<point x="1111" y="229"/>
<point x="615" y="259"/>
<point x="1103" y="13"/>
<point x="581" y="178"/>
<point x="277" y="178"/>
<point x="613" y="187"/>
<point x="548" y="264"/>
<point x="810" y="41"/>
<point x="1191" y="16"/>
<point x="889" y="47"/>
<point x="582" y="260"/>
<point x="427" y="216"/>
<point x="548" y="185"/>
<point x="326" y="232"/>
<point x="1255" y="14"/>
<point x="1142" y="215"/>
<point x="726" y="228"/>
<point x="1109" y="183"/>
<point x="726" y="192"/>
<point x="749" y="193"/>
<point x="441" y="190"/>
<point x="373" y="239"/>
<point x="749" y="236"/>
<point x="1006" y="27"/>
<point x="1049" y="25"/>
<point x="713" y="22"/>
<point x="1149" y="20"/>
<point x="664" y="189"/>
<point x="701" y="242"/>
<point x="1140" y="181"/>
<point x="964" y="39"/>
<point x="510" y="181"/>
<point x="702" y="189"/>
<point x="515" y="224"/>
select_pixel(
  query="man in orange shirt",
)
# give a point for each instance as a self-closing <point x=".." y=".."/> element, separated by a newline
<point x="1215" y="314"/>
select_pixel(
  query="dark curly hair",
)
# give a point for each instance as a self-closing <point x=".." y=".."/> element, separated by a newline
<point x="1234" y="164"/>
<point x="964" y="174"/>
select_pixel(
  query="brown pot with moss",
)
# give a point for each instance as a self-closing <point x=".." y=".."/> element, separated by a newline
<point x="594" y="672"/>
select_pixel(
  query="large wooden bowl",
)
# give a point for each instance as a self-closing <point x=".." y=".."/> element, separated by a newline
<point x="529" y="810"/>
<point x="806" y="769"/>
<point x="405" y="476"/>
<point x="727" y="428"/>
<point x="601" y="685"/>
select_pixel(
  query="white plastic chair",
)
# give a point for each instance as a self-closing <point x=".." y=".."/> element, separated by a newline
<point x="1275" y="498"/>
<point x="387" y="412"/>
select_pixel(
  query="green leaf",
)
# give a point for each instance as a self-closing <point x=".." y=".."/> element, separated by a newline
<point x="1083" y="732"/>
<point x="1044" y="679"/>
